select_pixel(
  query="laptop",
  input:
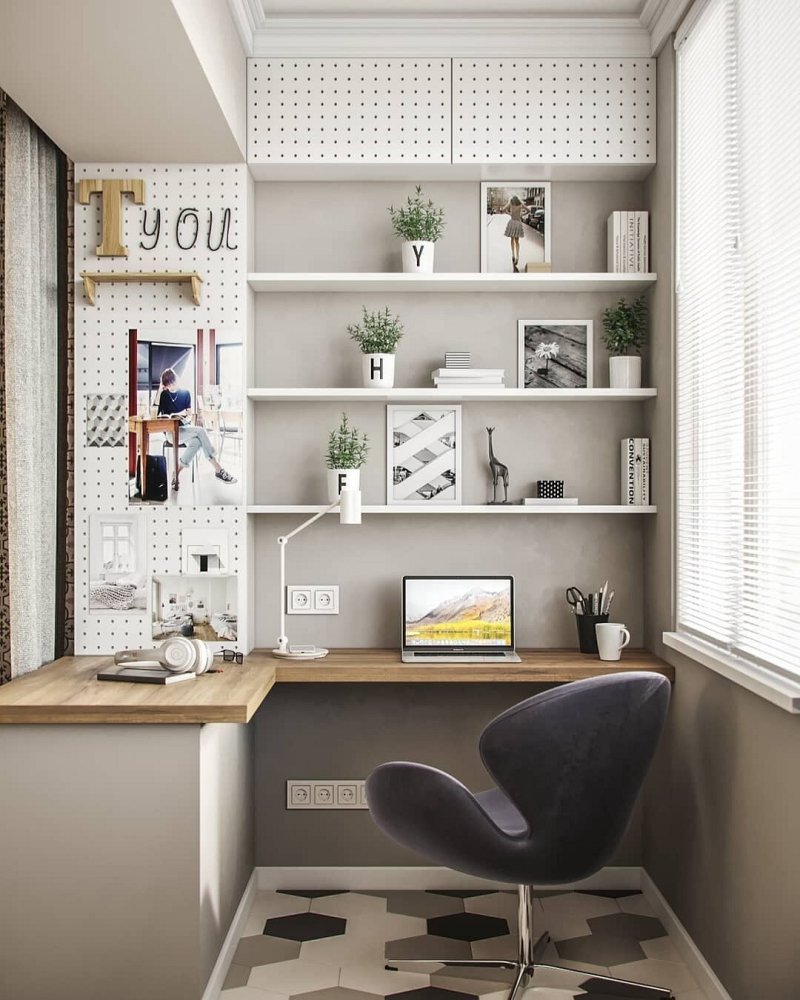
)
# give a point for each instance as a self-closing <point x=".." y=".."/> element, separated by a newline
<point x="464" y="619"/>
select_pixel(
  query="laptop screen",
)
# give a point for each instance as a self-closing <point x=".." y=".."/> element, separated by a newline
<point x="458" y="612"/>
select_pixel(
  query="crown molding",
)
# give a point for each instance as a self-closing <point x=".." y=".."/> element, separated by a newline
<point x="247" y="16"/>
<point x="466" y="37"/>
<point x="661" y="18"/>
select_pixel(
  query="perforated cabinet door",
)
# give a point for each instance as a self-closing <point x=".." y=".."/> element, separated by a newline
<point x="349" y="110"/>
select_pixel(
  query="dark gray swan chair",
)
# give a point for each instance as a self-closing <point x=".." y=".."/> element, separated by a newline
<point x="569" y="765"/>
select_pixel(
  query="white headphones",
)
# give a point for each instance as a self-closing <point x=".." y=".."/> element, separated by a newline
<point x="179" y="655"/>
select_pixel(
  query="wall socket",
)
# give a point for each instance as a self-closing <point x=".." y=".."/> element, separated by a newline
<point x="309" y="599"/>
<point x="346" y="793"/>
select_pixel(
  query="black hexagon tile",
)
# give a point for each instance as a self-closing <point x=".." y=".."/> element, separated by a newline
<point x="261" y="950"/>
<point x="311" y="893"/>
<point x="467" y="926"/>
<point x="427" y="947"/>
<point x="305" y="926"/>
<point x="431" y="993"/>
<point x="632" y="925"/>
<point x="601" y="949"/>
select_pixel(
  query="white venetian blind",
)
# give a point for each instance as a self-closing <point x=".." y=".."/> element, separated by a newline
<point x="738" y="330"/>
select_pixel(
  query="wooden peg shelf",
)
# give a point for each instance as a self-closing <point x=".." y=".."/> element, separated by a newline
<point x="92" y="278"/>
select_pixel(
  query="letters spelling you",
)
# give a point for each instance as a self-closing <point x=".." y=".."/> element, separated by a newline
<point x="187" y="222"/>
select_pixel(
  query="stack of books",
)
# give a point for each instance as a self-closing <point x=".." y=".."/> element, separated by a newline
<point x="635" y="460"/>
<point x="464" y="379"/>
<point x="628" y="242"/>
<point x="457" y="359"/>
<point x="549" y="501"/>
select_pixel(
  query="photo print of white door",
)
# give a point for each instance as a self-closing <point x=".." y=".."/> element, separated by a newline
<point x="423" y="450"/>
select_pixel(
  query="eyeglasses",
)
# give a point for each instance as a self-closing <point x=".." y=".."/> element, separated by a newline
<point x="230" y="656"/>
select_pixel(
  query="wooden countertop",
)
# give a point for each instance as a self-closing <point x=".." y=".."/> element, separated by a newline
<point x="384" y="666"/>
<point x="67" y="691"/>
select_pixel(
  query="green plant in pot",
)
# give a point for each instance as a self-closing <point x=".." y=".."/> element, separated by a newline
<point x="377" y="336"/>
<point x="419" y="224"/>
<point x="625" y="333"/>
<point x="347" y="452"/>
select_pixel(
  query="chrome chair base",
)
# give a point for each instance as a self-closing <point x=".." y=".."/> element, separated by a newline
<point x="529" y="971"/>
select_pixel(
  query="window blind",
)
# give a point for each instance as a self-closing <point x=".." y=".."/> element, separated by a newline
<point x="738" y="320"/>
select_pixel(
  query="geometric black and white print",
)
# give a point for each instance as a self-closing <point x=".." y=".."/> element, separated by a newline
<point x="327" y="945"/>
<point x="423" y="455"/>
<point x="106" y="419"/>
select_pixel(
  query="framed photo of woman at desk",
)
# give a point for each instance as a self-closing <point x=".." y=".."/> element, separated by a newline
<point x="185" y="417"/>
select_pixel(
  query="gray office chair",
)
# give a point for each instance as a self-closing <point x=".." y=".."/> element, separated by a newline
<point x="569" y="765"/>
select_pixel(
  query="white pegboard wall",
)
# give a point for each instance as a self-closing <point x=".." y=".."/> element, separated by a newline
<point x="554" y="110"/>
<point x="348" y="110"/>
<point x="101" y="359"/>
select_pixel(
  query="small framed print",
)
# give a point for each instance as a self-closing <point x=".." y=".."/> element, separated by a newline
<point x="423" y="455"/>
<point x="515" y="226"/>
<point x="555" y="354"/>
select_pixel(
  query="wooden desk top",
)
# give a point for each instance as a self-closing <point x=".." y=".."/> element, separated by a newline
<point x="384" y="666"/>
<point x="67" y="692"/>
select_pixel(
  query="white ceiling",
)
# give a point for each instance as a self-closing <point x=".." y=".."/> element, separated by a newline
<point x="452" y="8"/>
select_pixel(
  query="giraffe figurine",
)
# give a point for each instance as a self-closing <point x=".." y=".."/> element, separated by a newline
<point x="499" y="471"/>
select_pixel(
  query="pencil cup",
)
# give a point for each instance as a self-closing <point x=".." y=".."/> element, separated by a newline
<point x="587" y="637"/>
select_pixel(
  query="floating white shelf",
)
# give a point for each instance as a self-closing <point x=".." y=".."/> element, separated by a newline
<point x="462" y="509"/>
<point x="422" y="171"/>
<point x="493" y="395"/>
<point x="366" y="281"/>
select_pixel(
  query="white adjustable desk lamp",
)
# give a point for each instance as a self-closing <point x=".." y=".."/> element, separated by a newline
<point x="349" y="504"/>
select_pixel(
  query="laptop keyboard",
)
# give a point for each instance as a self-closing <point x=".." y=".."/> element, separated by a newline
<point x="473" y="652"/>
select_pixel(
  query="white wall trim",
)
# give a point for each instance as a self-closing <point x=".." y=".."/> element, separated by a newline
<point x="660" y="18"/>
<point x="689" y="952"/>
<point x="225" y="957"/>
<point x="247" y="16"/>
<point x="768" y="684"/>
<point x="464" y="37"/>
<point x="422" y="877"/>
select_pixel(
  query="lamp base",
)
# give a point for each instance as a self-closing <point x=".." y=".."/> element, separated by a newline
<point x="301" y="653"/>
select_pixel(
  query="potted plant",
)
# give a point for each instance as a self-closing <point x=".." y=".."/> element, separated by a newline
<point x="625" y="326"/>
<point x="347" y="452"/>
<point x="377" y="335"/>
<point x="419" y="224"/>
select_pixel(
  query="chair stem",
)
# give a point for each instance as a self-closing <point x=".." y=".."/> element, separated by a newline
<point x="526" y="938"/>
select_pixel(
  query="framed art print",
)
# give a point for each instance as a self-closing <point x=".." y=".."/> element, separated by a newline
<point x="555" y="354"/>
<point x="515" y="226"/>
<point x="423" y="455"/>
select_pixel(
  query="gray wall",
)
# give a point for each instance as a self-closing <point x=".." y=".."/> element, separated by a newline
<point x="302" y="340"/>
<point x="343" y="731"/>
<point x="722" y="806"/>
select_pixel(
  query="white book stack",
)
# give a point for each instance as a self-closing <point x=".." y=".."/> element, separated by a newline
<point x="464" y="379"/>
<point x="629" y="242"/>
<point x="549" y="501"/>
<point x="635" y="467"/>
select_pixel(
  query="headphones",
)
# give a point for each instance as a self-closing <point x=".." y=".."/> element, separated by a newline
<point x="178" y="655"/>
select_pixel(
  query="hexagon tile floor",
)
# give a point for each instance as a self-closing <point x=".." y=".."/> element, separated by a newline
<point x="325" y="945"/>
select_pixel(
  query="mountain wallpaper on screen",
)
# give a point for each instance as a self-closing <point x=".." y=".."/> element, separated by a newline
<point x="476" y="616"/>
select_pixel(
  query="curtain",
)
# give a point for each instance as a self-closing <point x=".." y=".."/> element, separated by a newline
<point x="5" y="609"/>
<point x="31" y="384"/>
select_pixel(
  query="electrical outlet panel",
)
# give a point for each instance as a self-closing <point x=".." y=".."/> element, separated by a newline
<point x="346" y="793"/>
<point x="305" y="599"/>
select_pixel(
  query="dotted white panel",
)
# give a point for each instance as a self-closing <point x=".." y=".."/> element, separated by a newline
<point x="554" y="110"/>
<point x="348" y="110"/>
<point x="101" y="357"/>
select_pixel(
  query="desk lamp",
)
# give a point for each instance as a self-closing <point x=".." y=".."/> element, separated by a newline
<point x="349" y="504"/>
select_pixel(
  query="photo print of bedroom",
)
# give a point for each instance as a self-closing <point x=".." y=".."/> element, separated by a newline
<point x="118" y="563"/>
<point x="185" y="388"/>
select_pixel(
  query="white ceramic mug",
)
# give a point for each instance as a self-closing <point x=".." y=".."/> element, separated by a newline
<point x="612" y="638"/>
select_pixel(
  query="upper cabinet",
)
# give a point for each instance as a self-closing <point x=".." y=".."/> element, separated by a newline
<point x="349" y="111"/>
<point x="554" y="111"/>
<point x="460" y="115"/>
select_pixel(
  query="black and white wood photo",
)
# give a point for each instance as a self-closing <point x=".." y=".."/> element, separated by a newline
<point x="423" y="449"/>
<point x="555" y="354"/>
<point x="515" y="227"/>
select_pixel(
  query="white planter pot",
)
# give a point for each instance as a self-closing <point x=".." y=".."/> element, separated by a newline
<point x="377" y="371"/>
<point x="418" y="257"/>
<point x="625" y="372"/>
<point x="338" y="479"/>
